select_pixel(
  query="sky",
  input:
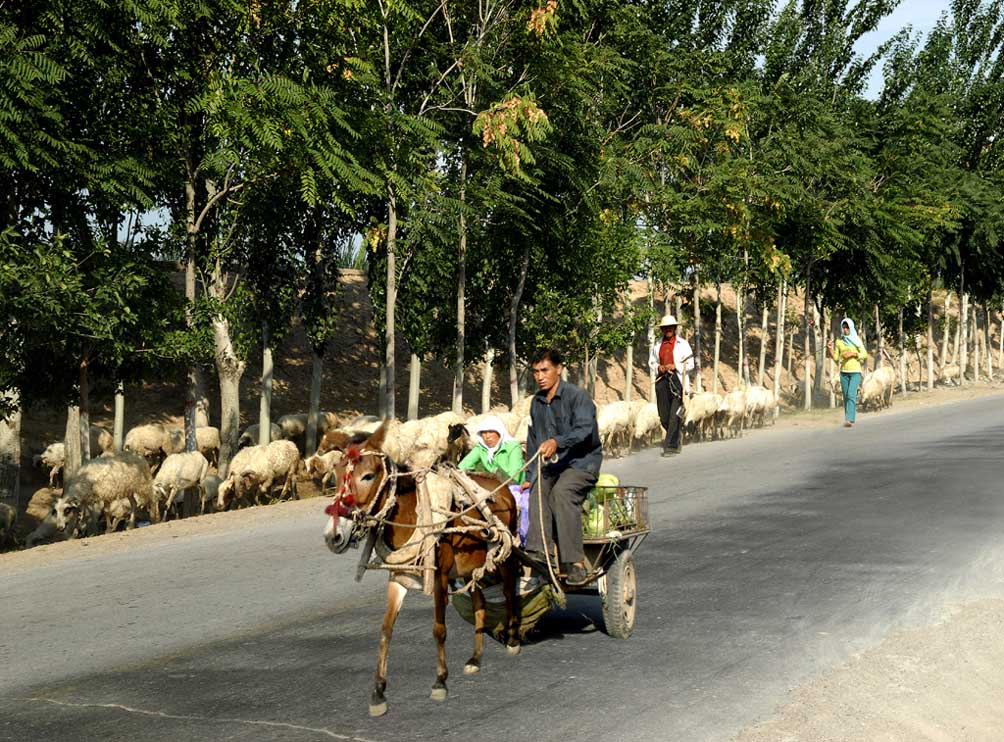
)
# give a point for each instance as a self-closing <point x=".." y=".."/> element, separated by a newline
<point x="921" y="15"/>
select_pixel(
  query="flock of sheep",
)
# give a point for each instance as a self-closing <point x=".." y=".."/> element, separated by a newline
<point x="151" y="475"/>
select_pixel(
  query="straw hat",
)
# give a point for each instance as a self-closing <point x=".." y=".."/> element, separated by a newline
<point x="668" y="320"/>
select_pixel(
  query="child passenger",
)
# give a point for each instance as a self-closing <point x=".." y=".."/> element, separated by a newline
<point x="497" y="452"/>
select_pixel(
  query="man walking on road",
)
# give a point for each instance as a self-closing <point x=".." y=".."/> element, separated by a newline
<point x="671" y="358"/>
<point x="563" y="429"/>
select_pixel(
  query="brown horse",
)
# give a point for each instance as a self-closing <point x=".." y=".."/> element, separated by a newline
<point x="364" y="481"/>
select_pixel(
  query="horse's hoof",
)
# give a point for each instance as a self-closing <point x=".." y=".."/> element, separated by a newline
<point x="438" y="694"/>
<point x="378" y="709"/>
<point x="471" y="669"/>
<point x="513" y="649"/>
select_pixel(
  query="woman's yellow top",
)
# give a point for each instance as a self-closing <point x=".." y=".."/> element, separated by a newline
<point x="848" y="365"/>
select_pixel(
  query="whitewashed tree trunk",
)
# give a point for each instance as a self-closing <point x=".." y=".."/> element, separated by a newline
<point x="71" y="442"/>
<point x="486" y="382"/>
<point x="946" y="330"/>
<point x="698" y="356"/>
<point x="879" y="340"/>
<point x="230" y="368"/>
<point x="314" y="408"/>
<point x="629" y="369"/>
<point x="1000" y="350"/>
<point x="679" y="307"/>
<point x="779" y="340"/>
<point x="458" y="370"/>
<point x="931" y="337"/>
<point x="10" y="453"/>
<point x="976" y="343"/>
<point x="806" y="351"/>
<point x="964" y="339"/>
<point x="764" y="338"/>
<point x="818" y="379"/>
<point x="513" y="317"/>
<point x="118" y="429"/>
<point x="85" y="412"/>
<point x="414" y="386"/>
<point x="987" y="345"/>
<point x="741" y="355"/>
<point x="390" y="358"/>
<point x="863" y="333"/>
<point x="265" y="404"/>
<point x="902" y="354"/>
<point x="718" y="338"/>
<point x="831" y="329"/>
<point x="382" y="394"/>
<point x="651" y="341"/>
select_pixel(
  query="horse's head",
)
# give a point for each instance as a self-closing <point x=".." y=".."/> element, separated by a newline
<point x="360" y="475"/>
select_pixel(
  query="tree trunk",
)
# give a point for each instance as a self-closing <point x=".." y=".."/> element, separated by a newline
<point x="863" y="332"/>
<point x="10" y="453"/>
<point x="651" y="342"/>
<point x="265" y="405"/>
<point x="946" y="326"/>
<point x="1000" y="339"/>
<point x="779" y="340"/>
<point x="314" y="409"/>
<point x="118" y="430"/>
<point x="629" y="369"/>
<point x="791" y="353"/>
<point x="229" y="368"/>
<point x="486" y="382"/>
<point x="191" y="246"/>
<point x="718" y="337"/>
<point x="976" y="343"/>
<point x="390" y="358"/>
<point x="764" y="338"/>
<point x="807" y="356"/>
<point x="414" y="386"/>
<point x="71" y="442"/>
<point x="513" y="317"/>
<point x="679" y="307"/>
<point x="382" y="393"/>
<point x="831" y="329"/>
<point x="817" y="337"/>
<point x="85" y="412"/>
<point x="964" y="339"/>
<point x="458" y="371"/>
<point x="902" y="353"/>
<point x="987" y="347"/>
<point x="698" y="357"/>
<point x="741" y="354"/>
<point x="879" y="340"/>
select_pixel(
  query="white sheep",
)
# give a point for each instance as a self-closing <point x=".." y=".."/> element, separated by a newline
<point x="322" y="466"/>
<point x="701" y="415"/>
<point x="615" y="426"/>
<point x="732" y="411"/>
<point x="250" y="435"/>
<point x="759" y="406"/>
<point x="100" y="482"/>
<point x="522" y="431"/>
<point x="54" y="457"/>
<point x="207" y="442"/>
<point x="522" y="406"/>
<point x="255" y="469"/>
<point x="647" y="425"/>
<point x="149" y="441"/>
<point x="179" y="472"/>
<point x="210" y="492"/>
<point x="39" y="512"/>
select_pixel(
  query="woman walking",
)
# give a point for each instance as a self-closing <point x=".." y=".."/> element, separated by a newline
<point x="850" y="353"/>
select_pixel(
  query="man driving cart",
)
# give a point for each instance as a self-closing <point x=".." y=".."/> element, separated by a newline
<point x="563" y="429"/>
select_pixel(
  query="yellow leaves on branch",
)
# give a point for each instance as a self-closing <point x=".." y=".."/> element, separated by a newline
<point x="542" y="19"/>
<point x="507" y="124"/>
<point x="376" y="236"/>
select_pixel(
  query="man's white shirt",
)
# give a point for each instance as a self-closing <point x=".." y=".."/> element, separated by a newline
<point x="683" y="359"/>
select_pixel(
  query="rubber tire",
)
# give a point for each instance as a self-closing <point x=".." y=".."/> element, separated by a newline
<point x="620" y="600"/>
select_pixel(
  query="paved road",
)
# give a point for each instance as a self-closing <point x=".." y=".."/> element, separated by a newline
<point x="774" y="557"/>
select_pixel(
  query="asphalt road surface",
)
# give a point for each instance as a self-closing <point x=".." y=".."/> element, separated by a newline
<point x="773" y="558"/>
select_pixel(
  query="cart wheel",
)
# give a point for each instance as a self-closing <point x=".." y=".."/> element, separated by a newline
<point x="620" y="597"/>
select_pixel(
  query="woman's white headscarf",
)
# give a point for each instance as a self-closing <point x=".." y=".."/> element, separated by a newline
<point x="852" y="334"/>
<point x="493" y="423"/>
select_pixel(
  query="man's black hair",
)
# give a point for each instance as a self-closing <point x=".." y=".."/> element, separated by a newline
<point x="547" y="354"/>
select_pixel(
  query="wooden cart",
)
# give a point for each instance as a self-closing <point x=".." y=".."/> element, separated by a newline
<point x="615" y="522"/>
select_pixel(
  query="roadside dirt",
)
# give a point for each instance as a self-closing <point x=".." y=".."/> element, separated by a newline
<point x="943" y="683"/>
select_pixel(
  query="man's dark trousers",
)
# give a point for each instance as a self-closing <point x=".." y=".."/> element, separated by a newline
<point x="669" y="405"/>
<point x="561" y="504"/>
